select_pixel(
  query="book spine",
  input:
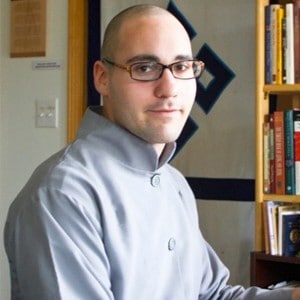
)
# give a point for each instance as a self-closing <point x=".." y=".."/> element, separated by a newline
<point x="279" y="233"/>
<point x="274" y="220"/>
<point x="284" y="49"/>
<point x="289" y="55"/>
<point x="266" y="215"/>
<point x="274" y="8"/>
<point x="279" y="44"/>
<point x="266" y="157"/>
<point x="279" y="152"/>
<point x="297" y="39"/>
<point x="268" y="56"/>
<point x="270" y="233"/>
<point x="297" y="150"/>
<point x="272" y="154"/>
<point x="289" y="153"/>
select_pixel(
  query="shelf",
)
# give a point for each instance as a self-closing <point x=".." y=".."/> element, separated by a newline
<point x="282" y="89"/>
<point x="277" y="258"/>
<point x="283" y="198"/>
<point x="269" y="269"/>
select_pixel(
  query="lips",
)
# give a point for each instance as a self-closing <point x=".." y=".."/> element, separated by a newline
<point x="165" y="110"/>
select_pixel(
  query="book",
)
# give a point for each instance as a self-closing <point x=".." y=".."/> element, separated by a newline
<point x="279" y="152"/>
<point x="268" y="234"/>
<point x="296" y="119"/>
<point x="284" y="49"/>
<point x="289" y="152"/>
<point x="279" y="44"/>
<point x="297" y="40"/>
<point x="271" y="154"/>
<point x="274" y="43"/>
<point x="289" y="231"/>
<point x="268" y="56"/>
<point x="282" y="209"/>
<point x="289" y="44"/>
<point x="274" y="225"/>
<point x="270" y="215"/>
<point x="266" y="157"/>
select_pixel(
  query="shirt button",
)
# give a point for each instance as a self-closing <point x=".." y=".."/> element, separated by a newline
<point x="171" y="244"/>
<point x="155" y="180"/>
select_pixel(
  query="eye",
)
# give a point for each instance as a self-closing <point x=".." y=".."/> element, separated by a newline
<point x="182" y="66"/>
<point x="143" y="68"/>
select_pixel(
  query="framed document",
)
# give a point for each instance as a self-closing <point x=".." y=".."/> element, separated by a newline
<point x="28" y="28"/>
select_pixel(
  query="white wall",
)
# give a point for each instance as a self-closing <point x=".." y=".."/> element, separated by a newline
<point x="22" y="145"/>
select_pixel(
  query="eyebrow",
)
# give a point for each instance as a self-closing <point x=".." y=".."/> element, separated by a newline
<point x="154" y="58"/>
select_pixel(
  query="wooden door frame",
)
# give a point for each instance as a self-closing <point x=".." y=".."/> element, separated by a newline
<point x="77" y="65"/>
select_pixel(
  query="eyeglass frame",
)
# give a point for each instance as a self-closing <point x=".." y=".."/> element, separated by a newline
<point x="128" y="68"/>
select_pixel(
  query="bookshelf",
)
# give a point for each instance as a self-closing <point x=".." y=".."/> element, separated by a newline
<point x="269" y="269"/>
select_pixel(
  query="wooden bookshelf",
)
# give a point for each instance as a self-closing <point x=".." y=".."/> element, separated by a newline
<point x="268" y="269"/>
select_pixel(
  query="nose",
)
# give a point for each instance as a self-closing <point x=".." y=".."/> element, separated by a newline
<point x="167" y="85"/>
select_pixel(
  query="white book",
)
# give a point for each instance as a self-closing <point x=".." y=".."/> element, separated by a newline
<point x="270" y="213"/>
<point x="289" y="57"/>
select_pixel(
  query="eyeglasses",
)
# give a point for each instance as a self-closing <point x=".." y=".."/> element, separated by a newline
<point x="150" y="71"/>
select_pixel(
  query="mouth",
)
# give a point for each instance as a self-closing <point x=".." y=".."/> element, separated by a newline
<point x="167" y="112"/>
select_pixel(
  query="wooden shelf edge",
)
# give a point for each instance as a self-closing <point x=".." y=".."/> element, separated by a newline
<point x="259" y="255"/>
<point x="282" y="88"/>
<point x="283" y="198"/>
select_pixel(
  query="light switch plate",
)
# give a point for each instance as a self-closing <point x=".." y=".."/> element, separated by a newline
<point x="47" y="113"/>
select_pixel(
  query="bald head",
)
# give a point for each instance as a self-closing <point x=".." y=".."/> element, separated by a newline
<point x="141" y="40"/>
<point x="112" y="34"/>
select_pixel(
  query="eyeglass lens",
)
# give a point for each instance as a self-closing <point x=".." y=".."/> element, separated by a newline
<point x="152" y="71"/>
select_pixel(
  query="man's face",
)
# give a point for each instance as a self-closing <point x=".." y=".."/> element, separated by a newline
<point x="157" y="110"/>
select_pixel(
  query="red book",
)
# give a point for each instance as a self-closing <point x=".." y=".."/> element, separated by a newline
<point x="271" y="154"/>
<point x="297" y="150"/>
<point x="279" y="152"/>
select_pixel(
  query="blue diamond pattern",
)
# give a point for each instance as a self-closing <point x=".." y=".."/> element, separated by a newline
<point x="206" y="96"/>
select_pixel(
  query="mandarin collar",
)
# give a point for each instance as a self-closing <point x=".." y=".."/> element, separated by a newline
<point x="126" y="147"/>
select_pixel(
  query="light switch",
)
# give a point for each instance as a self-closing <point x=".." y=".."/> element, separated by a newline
<point x="47" y="113"/>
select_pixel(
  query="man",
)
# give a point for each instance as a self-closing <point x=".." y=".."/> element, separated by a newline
<point x="107" y="217"/>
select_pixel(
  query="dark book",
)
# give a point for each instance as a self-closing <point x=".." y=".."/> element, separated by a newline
<point x="266" y="162"/>
<point x="271" y="154"/>
<point x="268" y="56"/>
<point x="290" y="188"/>
<point x="290" y="233"/>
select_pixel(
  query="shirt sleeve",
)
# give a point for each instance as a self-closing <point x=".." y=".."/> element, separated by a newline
<point x="216" y="287"/>
<point x="55" y="248"/>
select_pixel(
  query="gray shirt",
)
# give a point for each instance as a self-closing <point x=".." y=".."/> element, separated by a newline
<point x="105" y="218"/>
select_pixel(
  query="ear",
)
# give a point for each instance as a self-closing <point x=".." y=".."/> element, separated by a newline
<point x="101" y="77"/>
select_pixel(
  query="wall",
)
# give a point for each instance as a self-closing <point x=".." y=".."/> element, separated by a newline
<point x="22" y="145"/>
<point x="224" y="144"/>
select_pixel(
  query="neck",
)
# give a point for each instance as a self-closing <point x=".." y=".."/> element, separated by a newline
<point x="159" y="148"/>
